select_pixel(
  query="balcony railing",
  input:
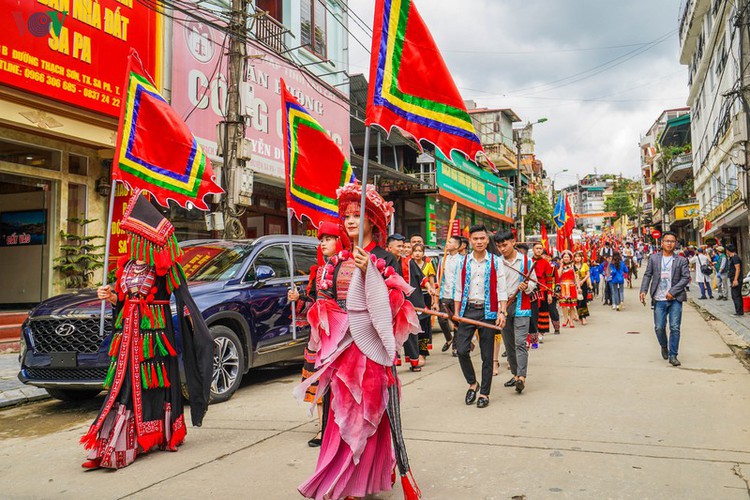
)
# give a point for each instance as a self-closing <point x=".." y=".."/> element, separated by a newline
<point x="270" y="33"/>
<point x="426" y="178"/>
<point x="647" y="207"/>
<point x="501" y="155"/>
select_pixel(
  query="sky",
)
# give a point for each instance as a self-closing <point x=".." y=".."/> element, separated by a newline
<point x="600" y="71"/>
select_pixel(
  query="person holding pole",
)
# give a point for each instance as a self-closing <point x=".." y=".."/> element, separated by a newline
<point x="447" y="287"/>
<point x="479" y="294"/>
<point x="520" y="284"/>
<point x="143" y="409"/>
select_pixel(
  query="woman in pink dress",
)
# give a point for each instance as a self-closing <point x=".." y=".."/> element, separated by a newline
<point x="359" y="319"/>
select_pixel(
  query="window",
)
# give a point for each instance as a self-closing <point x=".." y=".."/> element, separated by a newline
<point x="274" y="257"/>
<point x="273" y="7"/>
<point x="32" y="156"/>
<point x="313" y="26"/>
<point x="305" y="256"/>
<point x="78" y="164"/>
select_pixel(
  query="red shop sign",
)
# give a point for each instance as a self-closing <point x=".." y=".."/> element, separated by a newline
<point x="75" y="51"/>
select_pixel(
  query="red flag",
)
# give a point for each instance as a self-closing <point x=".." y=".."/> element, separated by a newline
<point x="562" y="241"/>
<point x="410" y="85"/>
<point x="570" y="221"/>
<point x="315" y="165"/>
<point x="155" y="150"/>
<point x="545" y="239"/>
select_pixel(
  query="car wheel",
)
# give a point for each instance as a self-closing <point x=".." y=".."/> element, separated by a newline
<point x="745" y="289"/>
<point x="229" y="363"/>
<point x="73" y="395"/>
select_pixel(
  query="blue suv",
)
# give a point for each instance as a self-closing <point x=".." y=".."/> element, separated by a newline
<point x="240" y="287"/>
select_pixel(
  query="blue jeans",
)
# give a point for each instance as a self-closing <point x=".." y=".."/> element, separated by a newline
<point x="705" y="287"/>
<point x="617" y="293"/>
<point x="673" y="310"/>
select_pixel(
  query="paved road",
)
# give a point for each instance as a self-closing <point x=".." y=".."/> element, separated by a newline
<point x="603" y="417"/>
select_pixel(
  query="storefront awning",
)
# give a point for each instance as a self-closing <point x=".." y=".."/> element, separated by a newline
<point x="375" y="168"/>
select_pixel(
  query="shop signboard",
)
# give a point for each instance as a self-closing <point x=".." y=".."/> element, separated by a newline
<point x="199" y="89"/>
<point x="725" y="205"/>
<point x="684" y="212"/>
<point x="118" y="243"/>
<point x="473" y="187"/>
<point x="431" y="221"/>
<point x="75" y="51"/>
<point x="23" y="228"/>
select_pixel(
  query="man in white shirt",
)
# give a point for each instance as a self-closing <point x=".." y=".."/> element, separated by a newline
<point x="479" y="294"/>
<point x="447" y="285"/>
<point x="520" y="284"/>
<point x="699" y="260"/>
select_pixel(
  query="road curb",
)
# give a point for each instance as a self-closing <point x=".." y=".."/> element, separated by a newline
<point x="15" y="397"/>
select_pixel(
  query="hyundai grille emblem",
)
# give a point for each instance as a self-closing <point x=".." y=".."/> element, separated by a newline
<point x="65" y="329"/>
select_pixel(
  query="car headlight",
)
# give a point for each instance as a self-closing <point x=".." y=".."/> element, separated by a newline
<point x="24" y="348"/>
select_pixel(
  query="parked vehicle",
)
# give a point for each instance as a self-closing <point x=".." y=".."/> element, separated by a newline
<point x="746" y="285"/>
<point x="240" y="287"/>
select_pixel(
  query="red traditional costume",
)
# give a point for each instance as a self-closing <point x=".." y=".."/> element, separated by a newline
<point x="357" y="323"/>
<point x="143" y="409"/>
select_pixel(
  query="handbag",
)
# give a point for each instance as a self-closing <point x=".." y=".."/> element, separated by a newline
<point x="706" y="269"/>
<point x="580" y="295"/>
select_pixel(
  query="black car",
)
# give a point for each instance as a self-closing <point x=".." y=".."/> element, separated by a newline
<point x="239" y="285"/>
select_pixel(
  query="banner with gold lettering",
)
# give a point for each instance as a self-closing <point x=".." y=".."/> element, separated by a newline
<point x="76" y="51"/>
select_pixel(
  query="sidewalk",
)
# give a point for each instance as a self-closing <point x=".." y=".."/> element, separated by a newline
<point x="12" y="391"/>
<point x="721" y="310"/>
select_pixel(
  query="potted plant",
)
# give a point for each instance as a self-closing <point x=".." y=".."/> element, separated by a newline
<point x="79" y="257"/>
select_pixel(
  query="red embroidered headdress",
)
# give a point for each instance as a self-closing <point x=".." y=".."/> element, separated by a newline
<point x="377" y="210"/>
<point x="151" y="238"/>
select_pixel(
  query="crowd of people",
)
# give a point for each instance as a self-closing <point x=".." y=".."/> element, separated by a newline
<point x="371" y="308"/>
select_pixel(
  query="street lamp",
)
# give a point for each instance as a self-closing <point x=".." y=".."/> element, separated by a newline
<point x="553" y="181"/>
<point x="518" y="135"/>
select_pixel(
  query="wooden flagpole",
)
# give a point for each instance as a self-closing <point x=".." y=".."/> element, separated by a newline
<point x="107" y="241"/>
<point x="291" y="271"/>
<point x="363" y="201"/>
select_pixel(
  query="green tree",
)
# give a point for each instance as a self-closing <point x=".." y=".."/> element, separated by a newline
<point x="622" y="198"/>
<point x="538" y="210"/>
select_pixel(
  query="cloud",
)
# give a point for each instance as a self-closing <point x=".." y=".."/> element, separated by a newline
<point x="601" y="71"/>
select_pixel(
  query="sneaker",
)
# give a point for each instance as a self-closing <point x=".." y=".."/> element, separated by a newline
<point x="614" y="307"/>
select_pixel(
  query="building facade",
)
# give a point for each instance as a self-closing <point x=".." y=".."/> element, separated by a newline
<point x="713" y="45"/>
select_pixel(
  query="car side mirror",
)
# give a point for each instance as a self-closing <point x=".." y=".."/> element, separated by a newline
<point x="263" y="274"/>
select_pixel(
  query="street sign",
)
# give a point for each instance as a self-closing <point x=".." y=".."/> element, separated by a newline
<point x="656" y="234"/>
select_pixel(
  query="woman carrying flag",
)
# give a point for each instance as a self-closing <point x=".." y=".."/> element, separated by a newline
<point x="359" y="320"/>
<point x="143" y="409"/>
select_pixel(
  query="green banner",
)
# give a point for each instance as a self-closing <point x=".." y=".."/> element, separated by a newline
<point x="464" y="179"/>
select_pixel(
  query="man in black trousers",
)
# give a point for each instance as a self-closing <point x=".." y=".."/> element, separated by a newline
<point x="479" y="294"/>
<point x="735" y="278"/>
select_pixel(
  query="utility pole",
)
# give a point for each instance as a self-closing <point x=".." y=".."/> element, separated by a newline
<point x="234" y="126"/>
<point x="520" y="236"/>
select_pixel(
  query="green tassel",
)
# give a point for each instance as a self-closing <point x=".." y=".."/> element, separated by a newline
<point x="158" y="373"/>
<point x="151" y="256"/>
<point x="145" y="347"/>
<point x="118" y="321"/>
<point x="144" y="380"/>
<point x="110" y="374"/>
<point x="160" y="345"/>
<point x="152" y="319"/>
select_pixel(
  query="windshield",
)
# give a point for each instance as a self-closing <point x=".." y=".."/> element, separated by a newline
<point x="214" y="261"/>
